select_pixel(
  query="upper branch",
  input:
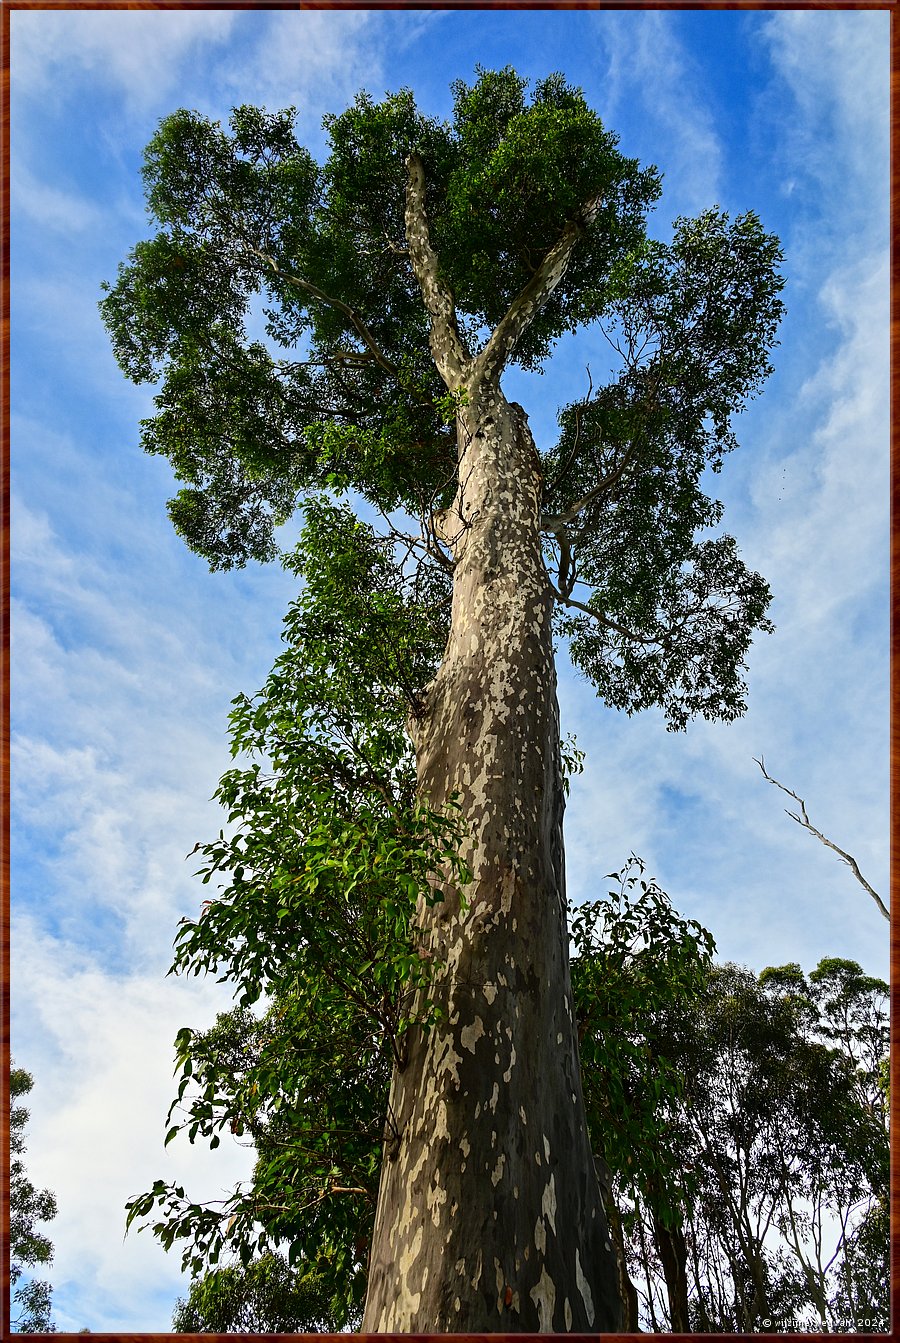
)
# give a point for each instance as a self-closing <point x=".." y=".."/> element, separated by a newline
<point x="448" y="351"/>
<point x="530" y="300"/>
<point x="803" y="819"/>
<point x="558" y="521"/>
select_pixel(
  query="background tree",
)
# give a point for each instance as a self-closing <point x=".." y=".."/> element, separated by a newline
<point x="265" y="1297"/>
<point x="28" y="1206"/>
<point x="406" y="274"/>
<point x="637" y="960"/>
<point x="780" y="1131"/>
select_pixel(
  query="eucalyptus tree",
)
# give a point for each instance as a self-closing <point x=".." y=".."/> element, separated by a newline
<point x="345" y="326"/>
<point x="778" y="1148"/>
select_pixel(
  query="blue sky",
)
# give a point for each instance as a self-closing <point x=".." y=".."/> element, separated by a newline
<point x="127" y="651"/>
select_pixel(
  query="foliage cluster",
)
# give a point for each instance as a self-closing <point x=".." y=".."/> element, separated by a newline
<point x="265" y="1297"/>
<point x="328" y="862"/>
<point x="636" y="960"/>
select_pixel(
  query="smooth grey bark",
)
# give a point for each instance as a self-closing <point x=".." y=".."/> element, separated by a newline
<point x="490" y="1216"/>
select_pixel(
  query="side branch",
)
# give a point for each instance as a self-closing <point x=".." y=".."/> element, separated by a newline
<point x="530" y="300"/>
<point x="351" y="314"/>
<point x="558" y="521"/>
<point x="450" y="356"/>
<point x="562" y="595"/>
<point x="803" y="819"/>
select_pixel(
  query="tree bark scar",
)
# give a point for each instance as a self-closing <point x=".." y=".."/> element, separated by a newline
<point x="490" y="1097"/>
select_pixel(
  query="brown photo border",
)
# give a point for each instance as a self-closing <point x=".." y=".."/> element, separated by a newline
<point x="6" y="7"/>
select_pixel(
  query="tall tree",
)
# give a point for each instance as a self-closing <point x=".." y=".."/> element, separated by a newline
<point x="407" y="273"/>
<point x="28" y="1206"/>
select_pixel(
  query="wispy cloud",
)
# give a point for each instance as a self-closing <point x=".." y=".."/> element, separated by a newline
<point x="314" y="61"/>
<point x="651" y="76"/>
<point x="120" y="700"/>
<point x="137" y="54"/>
<point x="50" y="206"/>
<point x="121" y="695"/>
<point x="835" y="65"/>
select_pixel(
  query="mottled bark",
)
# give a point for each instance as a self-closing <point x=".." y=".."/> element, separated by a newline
<point x="490" y="1216"/>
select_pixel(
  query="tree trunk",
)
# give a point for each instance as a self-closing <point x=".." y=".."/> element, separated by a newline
<point x="672" y="1249"/>
<point x="627" y="1290"/>
<point x="490" y="1217"/>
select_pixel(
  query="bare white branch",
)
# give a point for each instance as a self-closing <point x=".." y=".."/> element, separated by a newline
<point x="803" y="820"/>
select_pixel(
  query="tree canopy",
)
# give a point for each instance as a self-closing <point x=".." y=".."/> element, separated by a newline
<point x="280" y="307"/>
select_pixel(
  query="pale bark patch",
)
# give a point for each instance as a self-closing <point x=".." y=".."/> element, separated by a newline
<point x="470" y="1035"/>
<point x="584" y="1288"/>
<point x="548" y="1203"/>
<point x="544" y="1297"/>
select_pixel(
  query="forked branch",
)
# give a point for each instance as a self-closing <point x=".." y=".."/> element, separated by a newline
<point x="447" y="349"/>
<point x="529" y="301"/>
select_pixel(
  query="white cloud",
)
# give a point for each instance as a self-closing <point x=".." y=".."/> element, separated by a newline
<point x="138" y="53"/>
<point x="51" y="207"/>
<point x="834" y="63"/>
<point x="837" y="68"/>
<point x="830" y="481"/>
<point x="120" y="700"/>
<point x="100" y="1050"/>
<point x="650" y="75"/>
<point x="121" y="687"/>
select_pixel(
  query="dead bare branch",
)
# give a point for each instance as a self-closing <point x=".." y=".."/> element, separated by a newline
<point x="803" y="820"/>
